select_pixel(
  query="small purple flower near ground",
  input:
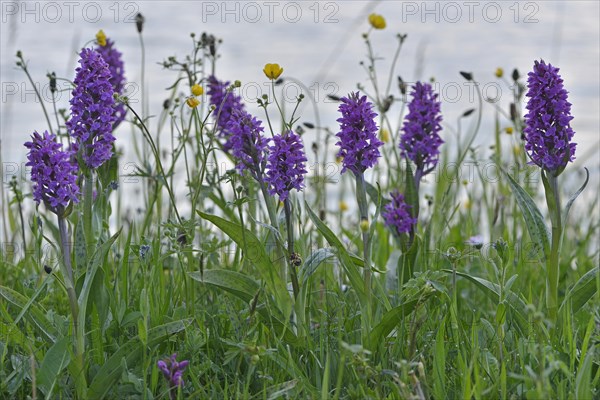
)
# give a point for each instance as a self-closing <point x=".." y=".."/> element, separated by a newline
<point x="397" y="216"/>
<point x="225" y="103"/>
<point x="475" y="241"/>
<point x="548" y="131"/>
<point x="285" y="167"/>
<point x="117" y="71"/>
<point x="53" y="173"/>
<point x="247" y="143"/>
<point x="358" y="142"/>
<point x="173" y="371"/>
<point x="420" y="141"/>
<point x="92" y="113"/>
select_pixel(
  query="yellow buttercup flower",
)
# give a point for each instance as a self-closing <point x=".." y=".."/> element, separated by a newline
<point x="468" y="204"/>
<point x="364" y="225"/>
<point x="192" y="102"/>
<point x="384" y="135"/>
<point x="101" y="38"/>
<point x="499" y="72"/>
<point x="377" y="21"/>
<point x="197" y="90"/>
<point x="273" y="71"/>
<point x="343" y="206"/>
<point x="517" y="150"/>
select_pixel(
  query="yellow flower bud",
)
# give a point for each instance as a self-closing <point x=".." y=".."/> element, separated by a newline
<point x="273" y="71"/>
<point x="377" y="21"/>
<point x="499" y="72"/>
<point x="384" y="134"/>
<point x="192" y="102"/>
<point x="197" y="90"/>
<point x="364" y="225"/>
<point x="468" y="204"/>
<point x="343" y="206"/>
<point x="101" y="38"/>
<point x="509" y="130"/>
<point x="517" y="150"/>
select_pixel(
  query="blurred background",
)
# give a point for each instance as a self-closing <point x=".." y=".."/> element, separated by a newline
<point x="320" y="44"/>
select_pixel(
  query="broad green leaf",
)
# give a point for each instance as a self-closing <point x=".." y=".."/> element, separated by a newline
<point x="313" y="261"/>
<point x="583" y="290"/>
<point x="575" y="195"/>
<point x="79" y="246"/>
<point x="234" y="282"/>
<point x="390" y="320"/>
<point x="56" y="359"/>
<point x="533" y="217"/>
<point x="492" y="290"/>
<point x="408" y="259"/>
<point x="373" y="193"/>
<point x="347" y="263"/>
<point x="583" y="388"/>
<point x="254" y="251"/>
<point x="411" y="194"/>
<point x="245" y="288"/>
<point x="31" y="311"/>
<point x="93" y="265"/>
<point x="439" y="362"/>
<point x="132" y="352"/>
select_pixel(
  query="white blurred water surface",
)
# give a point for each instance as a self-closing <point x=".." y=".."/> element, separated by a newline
<point x="318" y="43"/>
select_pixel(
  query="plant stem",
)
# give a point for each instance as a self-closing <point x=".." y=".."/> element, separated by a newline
<point x="553" y="263"/>
<point x="291" y="256"/>
<point x="88" y="199"/>
<point x="67" y="272"/>
<point x="37" y="93"/>
<point x="361" y="196"/>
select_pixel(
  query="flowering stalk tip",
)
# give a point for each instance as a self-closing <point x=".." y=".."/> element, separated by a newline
<point x="53" y="172"/>
<point x="192" y="102"/>
<point x="358" y="142"/>
<point x="286" y="165"/>
<point x="247" y="143"/>
<point x="113" y="58"/>
<point x="420" y="140"/>
<point x="377" y="21"/>
<point x="197" y="90"/>
<point x="224" y="101"/>
<point x="92" y="113"/>
<point x="273" y="71"/>
<point x="173" y="371"/>
<point x="548" y="131"/>
<point x="397" y="216"/>
<point x="101" y="38"/>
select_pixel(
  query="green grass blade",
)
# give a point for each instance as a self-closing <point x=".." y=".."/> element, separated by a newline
<point x="245" y="288"/>
<point x="492" y="290"/>
<point x="439" y="363"/>
<point x="349" y="266"/>
<point x="583" y="388"/>
<point x="56" y="359"/>
<point x="95" y="263"/>
<point x="254" y="251"/>
<point x="132" y="352"/>
<point x="313" y="261"/>
<point x="575" y="195"/>
<point x="236" y="283"/>
<point x="30" y="311"/>
<point x="390" y="320"/>
<point x="583" y="290"/>
<point x="533" y="217"/>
